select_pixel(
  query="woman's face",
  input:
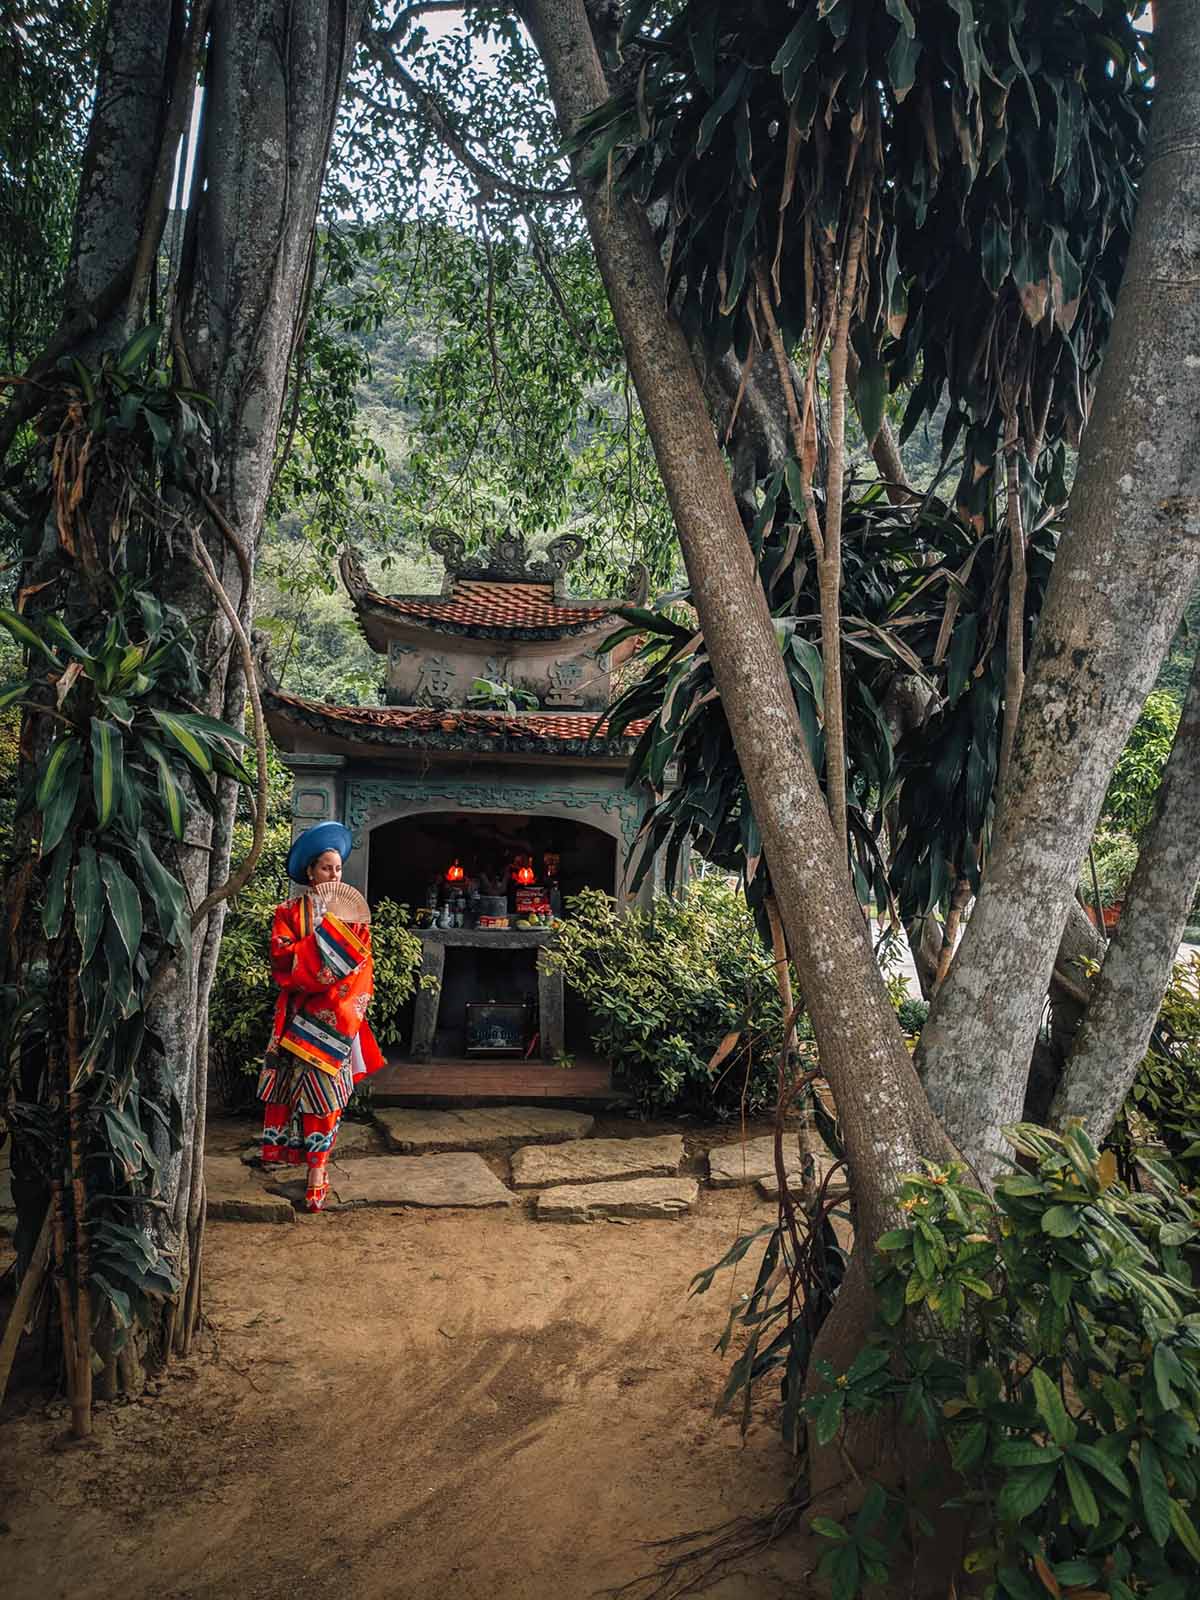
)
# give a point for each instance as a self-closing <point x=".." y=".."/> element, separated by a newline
<point x="327" y="868"/>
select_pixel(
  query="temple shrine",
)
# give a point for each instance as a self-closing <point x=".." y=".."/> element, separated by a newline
<point x="482" y="820"/>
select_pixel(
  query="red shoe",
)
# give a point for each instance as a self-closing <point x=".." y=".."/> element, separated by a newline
<point x="318" y="1188"/>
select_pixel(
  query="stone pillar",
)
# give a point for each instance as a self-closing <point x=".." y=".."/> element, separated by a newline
<point x="551" y="1014"/>
<point x="428" y="999"/>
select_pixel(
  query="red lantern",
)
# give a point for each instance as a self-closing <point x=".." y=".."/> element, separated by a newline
<point x="454" y="873"/>
<point x="524" y="874"/>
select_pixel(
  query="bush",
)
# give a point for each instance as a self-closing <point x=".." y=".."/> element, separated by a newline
<point x="1133" y="789"/>
<point x="1116" y="856"/>
<point x="667" y="986"/>
<point x="1163" y="1107"/>
<point x="1057" y="1359"/>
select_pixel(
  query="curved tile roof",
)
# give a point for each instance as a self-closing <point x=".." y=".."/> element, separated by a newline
<point x="408" y="725"/>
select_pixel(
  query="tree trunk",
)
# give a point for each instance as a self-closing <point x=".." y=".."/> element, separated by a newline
<point x="274" y="80"/>
<point x="885" y="1119"/>
<point x="1126" y="564"/>
<point x="1127" y="995"/>
<point x="273" y="77"/>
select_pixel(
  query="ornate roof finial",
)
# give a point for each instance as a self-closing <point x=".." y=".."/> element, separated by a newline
<point x="508" y="557"/>
<point x="353" y="570"/>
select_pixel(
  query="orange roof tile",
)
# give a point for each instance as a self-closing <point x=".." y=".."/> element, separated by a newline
<point x="480" y="604"/>
<point x="496" y="724"/>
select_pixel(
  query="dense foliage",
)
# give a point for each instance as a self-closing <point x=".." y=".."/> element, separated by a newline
<point x="1162" y="1112"/>
<point x="975" y="162"/>
<point x="1056" y="1359"/>
<point x="120" y="759"/>
<point x="667" y="986"/>
<point x="919" y="597"/>
<point x="1060" y="1365"/>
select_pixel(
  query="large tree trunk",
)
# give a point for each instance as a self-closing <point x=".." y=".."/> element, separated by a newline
<point x="885" y="1118"/>
<point x="1116" y="1029"/>
<point x="1124" y="569"/>
<point x="273" y="78"/>
<point x="274" y="81"/>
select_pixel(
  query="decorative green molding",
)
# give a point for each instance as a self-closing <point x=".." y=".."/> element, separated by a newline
<point x="365" y="795"/>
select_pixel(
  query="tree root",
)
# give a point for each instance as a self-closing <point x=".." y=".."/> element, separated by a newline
<point x="690" y="1563"/>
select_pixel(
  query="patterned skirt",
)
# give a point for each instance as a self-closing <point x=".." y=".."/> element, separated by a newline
<point x="303" y="1107"/>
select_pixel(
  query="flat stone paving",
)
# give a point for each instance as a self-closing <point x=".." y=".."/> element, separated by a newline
<point x="417" y="1132"/>
<point x="637" y="1197"/>
<point x="750" y="1161"/>
<point x="235" y="1194"/>
<point x="595" y="1160"/>
<point x="454" y="1179"/>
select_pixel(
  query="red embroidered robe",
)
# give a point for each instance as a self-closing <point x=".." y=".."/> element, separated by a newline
<point x="326" y="979"/>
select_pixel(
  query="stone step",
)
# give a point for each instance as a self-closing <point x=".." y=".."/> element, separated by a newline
<point x="637" y="1197"/>
<point x="452" y="1179"/>
<point x="422" y="1132"/>
<point x="236" y="1195"/>
<point x="748" y="1161"/>
<point x="596" y="1161"/>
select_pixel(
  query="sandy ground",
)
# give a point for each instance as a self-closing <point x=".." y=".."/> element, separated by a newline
<point x="402" y="1403"/>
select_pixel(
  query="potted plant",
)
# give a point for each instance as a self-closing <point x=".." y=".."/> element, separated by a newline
<point x="1114" y="856"/>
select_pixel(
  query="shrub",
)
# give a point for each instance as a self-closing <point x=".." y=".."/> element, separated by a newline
<point x="1057" y="1359"/>
<point x="1133" y="789"/>
<point x="1116" y="856"/>
<point x="667" y="986"/>
<point x="1163" y="1107"/>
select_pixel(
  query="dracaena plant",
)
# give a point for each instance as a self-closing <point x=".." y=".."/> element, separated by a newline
<point x="118" y="757"/>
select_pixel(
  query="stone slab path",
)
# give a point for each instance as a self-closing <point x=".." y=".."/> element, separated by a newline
<point x="418" y="1132"/>
<point x="454" y="1179"/>
<point x="235" y="1194"/>
<point x="731" y="1165"/>
<point x="597" y="1160"/>
<point x="637" y="1197"/>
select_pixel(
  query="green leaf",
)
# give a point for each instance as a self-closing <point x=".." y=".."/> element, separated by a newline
<point x="62" y="752"/>
<point x="125" y="903"/>
<point x="828" y="1529"/>
<point x="1060" y="1222"/>
<point x="1156" y="1501"/>
<point x="177" y="730"/>
<point x="1100" y="1463"/>
<point x="138" y="348"/>
<point x="108" y="768"/>
<point x="170" y="793"/>
<point x="170" y="901"/>
<point x="14" y="692"/>
<point x="56" y="891"/>
<point x="968" y="42"/>
<point x="1024" y="1453"/>
<point x="967" y="1449"/>
<point x="1082" y="1497"/>
<point x="870" y="392"/>
<point x="87" y="900"/>
<point x="199" y="723"/>
<point x="1185" y="1530"/>
<point x="1024" y="1491"/>
<point x="720" y="107"/>
<point x="1051" y="1409"/>
<point x="59" y="806"/>
<point x="25" y="635"/>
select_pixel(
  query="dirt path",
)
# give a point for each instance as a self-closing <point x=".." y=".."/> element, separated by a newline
<point x="410" y="1404"/>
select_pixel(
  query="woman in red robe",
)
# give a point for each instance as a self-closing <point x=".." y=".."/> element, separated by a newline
<point x="321" y="1043"/>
